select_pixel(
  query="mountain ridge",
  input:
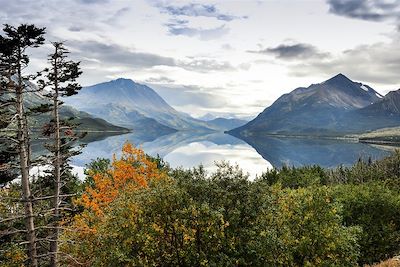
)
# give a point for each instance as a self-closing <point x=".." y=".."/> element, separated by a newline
<point x="226" y="124"/>
<point x="85" y="121"/>
<point x="130" y="100"/>
<point x="127" y="103"/>
<point x="333" y="107"/>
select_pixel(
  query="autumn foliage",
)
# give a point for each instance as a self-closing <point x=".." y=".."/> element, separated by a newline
<point x="131" y="171"/>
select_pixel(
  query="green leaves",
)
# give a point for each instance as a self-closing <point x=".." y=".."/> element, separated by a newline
<point x="221" y="219"/>
<point x="310" y="229"/>
<point x="375" y="208"/>
<point x="287" y="217"/>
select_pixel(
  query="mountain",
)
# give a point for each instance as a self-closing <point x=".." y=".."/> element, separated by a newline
<point x="382" y="114"/>
<point x="86" y="121"/>
<point x="212" y="116"/>
<point x="388" y="106"/>
<point x="321" y="109"/>
<point x="89" y="123"/>
<point x="226" y="124"/>
<point x="126" y="103"/>
<point x="120" y="115"/>
<point x="207" y="117"/>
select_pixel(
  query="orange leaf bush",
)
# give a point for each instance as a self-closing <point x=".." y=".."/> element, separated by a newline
<point x="131" y="171"/>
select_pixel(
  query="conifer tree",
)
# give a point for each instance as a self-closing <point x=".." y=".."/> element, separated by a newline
<point x="60" y="81"/>
<point x="13" y="60"/>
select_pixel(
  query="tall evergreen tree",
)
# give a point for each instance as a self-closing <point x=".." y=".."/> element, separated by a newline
<point x="13" y="60"/>
<point x="60" y="81"/>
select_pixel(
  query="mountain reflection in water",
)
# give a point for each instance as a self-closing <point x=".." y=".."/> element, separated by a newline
<point x="253" y="154"/>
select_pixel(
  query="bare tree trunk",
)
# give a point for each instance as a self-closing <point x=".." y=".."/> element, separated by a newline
<point x="24" y="166"/>
<point x="57" y="169"/>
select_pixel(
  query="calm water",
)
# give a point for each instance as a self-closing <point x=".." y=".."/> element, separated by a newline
<point x="254" y="155"/>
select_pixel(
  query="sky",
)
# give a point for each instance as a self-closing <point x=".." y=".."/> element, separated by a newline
<point x="227" y="58"/>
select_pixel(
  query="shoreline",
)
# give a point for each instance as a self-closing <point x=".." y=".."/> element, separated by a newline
<point x="349" y="138"/>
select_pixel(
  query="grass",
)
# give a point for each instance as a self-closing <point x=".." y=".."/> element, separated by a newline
<point x="395" y="262"/>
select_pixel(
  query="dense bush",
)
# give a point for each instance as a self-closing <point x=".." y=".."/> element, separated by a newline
<point x="376" y="209"/>
<point x="385" y="170"/>
<point x="136" y="211"/>
<point x="191" y="218"/>
<point x="293" y="177"/>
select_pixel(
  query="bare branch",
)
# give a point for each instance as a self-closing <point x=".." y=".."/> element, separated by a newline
<point x="12" y="218"/>
<point x="9" y="232"/>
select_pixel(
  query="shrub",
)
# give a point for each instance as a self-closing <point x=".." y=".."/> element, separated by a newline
<point x="376" y="209"/>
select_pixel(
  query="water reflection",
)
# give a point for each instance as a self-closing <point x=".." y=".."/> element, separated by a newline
<point x="181" y="149"/>
<point x="254" y="155"/>
<point x="327" y="153"/>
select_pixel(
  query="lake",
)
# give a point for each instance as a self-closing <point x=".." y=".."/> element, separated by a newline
<point x="253" y="155"/>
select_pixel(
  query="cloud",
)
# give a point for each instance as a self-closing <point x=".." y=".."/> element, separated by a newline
<point x="200" y="97"/>
<point x="75" y="29"/>
<point x="117" y="15"/>
<point x="376" y="63"/>
<point x="92" y="1"/>
<point x="196" y="10"/>
<point x="227" y="47"/>
<point x="159" y="80"/>
<point x="115" y="55"/>
<point x="372" y="10"/>
<point x="180" y="27"/>
<point x="292" y="51"/>
<point x="206" y="65"/>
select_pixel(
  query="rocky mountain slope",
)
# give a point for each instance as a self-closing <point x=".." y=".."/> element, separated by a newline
<point x="334" y="107"/>
<point x="132" y="105"/>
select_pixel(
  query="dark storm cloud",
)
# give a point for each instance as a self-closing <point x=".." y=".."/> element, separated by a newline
<point x="195" y="10"/>
<point x="373" y="10"/>
<point x="292" y="51"/>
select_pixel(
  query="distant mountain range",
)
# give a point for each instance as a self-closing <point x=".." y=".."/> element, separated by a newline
<point x="212" y="116"/>
<point x="226" y="124"/>
<point x="335" y="107"/>
<point x="126" y="103"/>
<point x="207" y="117"/>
